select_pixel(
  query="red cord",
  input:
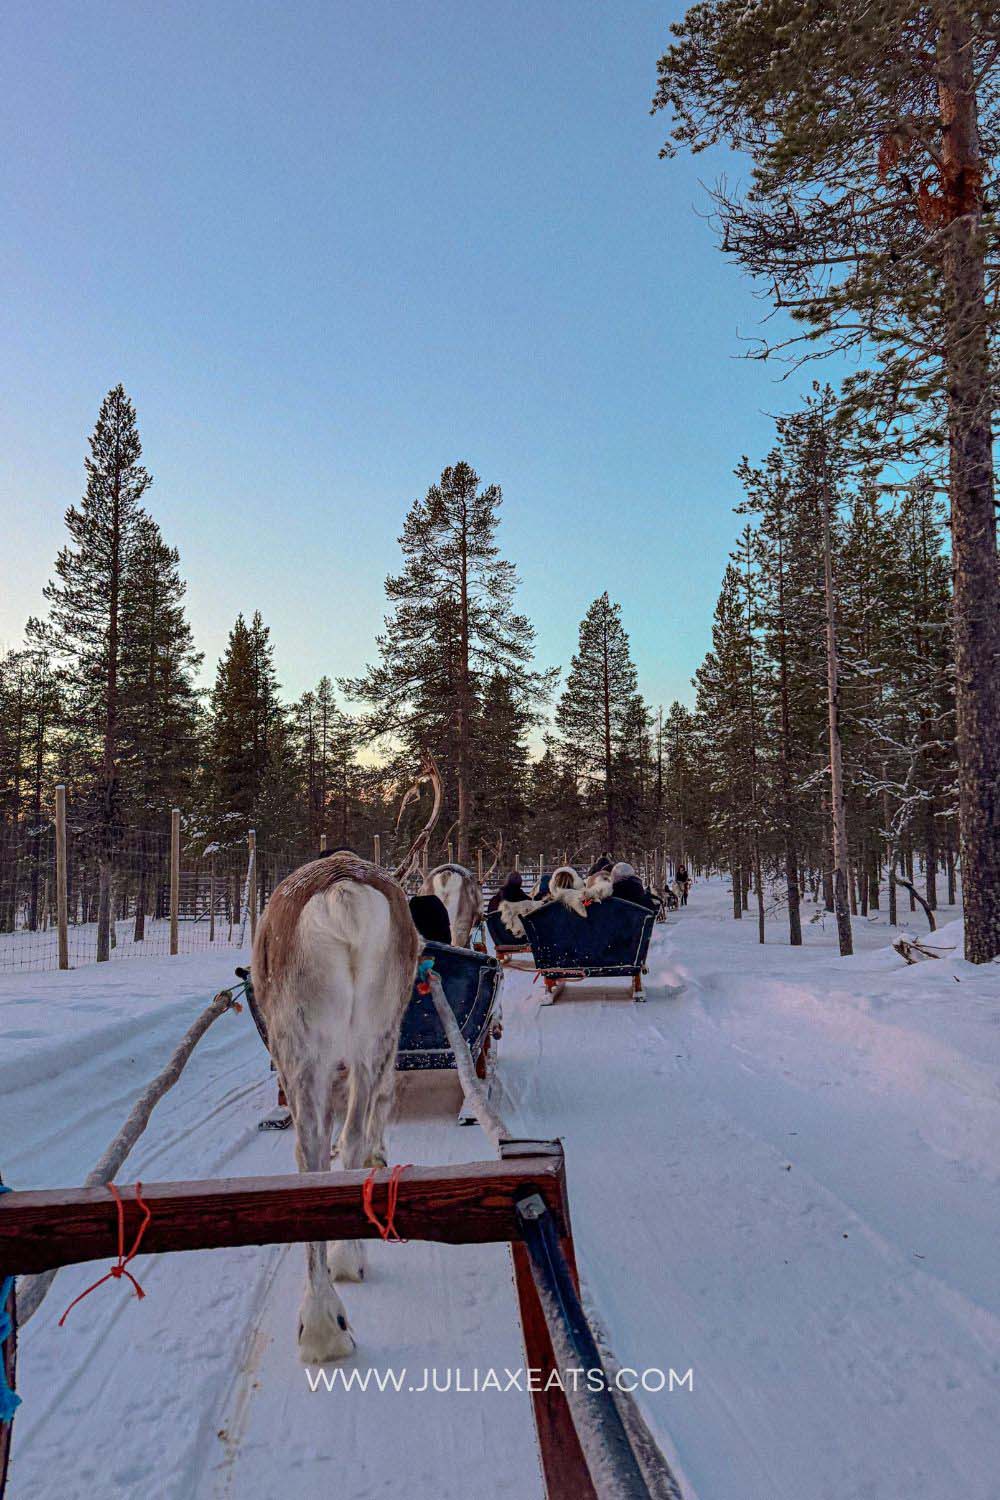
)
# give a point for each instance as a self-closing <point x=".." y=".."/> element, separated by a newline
<point x="388" y="1229"/>
<point x="119" y="1270"/>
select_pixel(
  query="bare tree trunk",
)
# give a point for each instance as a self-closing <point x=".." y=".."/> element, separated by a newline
<point x="837" y="810"/>
<point x="976" y="600"/>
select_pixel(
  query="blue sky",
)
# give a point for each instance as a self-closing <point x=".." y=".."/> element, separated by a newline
<point x="330" y="248"/>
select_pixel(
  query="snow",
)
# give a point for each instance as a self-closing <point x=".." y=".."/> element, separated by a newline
<point x="783" y="1173"/>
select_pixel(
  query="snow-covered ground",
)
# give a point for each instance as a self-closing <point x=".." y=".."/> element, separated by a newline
<point x="784" y="1174"/>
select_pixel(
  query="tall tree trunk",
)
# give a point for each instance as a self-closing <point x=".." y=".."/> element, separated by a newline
<point x="609" y="798"/>
<point x="976" y="603"/>
<point x="837" y="810"/>
<point x="109" y="760"/>
<point x="464" y="725"/>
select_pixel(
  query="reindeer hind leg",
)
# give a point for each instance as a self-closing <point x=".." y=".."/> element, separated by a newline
<point x="324" y="1333"/>
<point x="346" y="1258"/>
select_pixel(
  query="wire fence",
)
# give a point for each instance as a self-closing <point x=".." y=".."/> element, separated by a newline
<point x="218" y="890"/>
<point x="164" y="896"/>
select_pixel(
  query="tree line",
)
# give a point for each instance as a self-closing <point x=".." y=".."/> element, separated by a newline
<point x="105" y="697"/>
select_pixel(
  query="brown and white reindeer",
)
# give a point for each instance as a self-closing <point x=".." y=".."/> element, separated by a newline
<point x="334" y="961"/>
<point x="462" y="896"/>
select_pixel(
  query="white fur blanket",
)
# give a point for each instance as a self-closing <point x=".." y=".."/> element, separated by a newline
<point x="511" y="913"/>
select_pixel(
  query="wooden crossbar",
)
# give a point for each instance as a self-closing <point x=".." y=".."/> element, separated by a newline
<point x="471" y="1203"/>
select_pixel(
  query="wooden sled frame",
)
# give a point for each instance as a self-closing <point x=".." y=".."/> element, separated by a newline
<point x="475" y="1203"/>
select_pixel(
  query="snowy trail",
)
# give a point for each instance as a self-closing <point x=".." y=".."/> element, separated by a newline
<point x="783" y="1174"/>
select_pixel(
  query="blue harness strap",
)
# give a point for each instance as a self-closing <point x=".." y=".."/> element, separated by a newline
<point x="9" y="1400"/>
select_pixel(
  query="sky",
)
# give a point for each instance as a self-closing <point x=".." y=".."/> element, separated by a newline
<point x="330" y="248"/>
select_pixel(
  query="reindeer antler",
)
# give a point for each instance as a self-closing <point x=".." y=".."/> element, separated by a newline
<point x="429" y="773"/>
<point x="496" y="858"/>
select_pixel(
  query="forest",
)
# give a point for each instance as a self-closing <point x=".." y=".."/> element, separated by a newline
<point x="843" y="735"/>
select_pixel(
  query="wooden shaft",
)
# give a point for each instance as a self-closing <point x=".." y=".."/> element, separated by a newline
<point x="62" y="912"/>
<point x="175" y="875"/>
<point x="472" y="1203"/>
<point x="563" y="1464"/>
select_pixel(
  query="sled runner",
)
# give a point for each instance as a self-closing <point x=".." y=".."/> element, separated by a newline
<point x="611" y="942"/>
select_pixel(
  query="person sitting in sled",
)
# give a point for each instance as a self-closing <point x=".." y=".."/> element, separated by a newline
<point x="511" y="891"/>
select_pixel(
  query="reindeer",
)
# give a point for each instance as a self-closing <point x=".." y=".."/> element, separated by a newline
<point x="333" y="966"/>
<point x="462" y="895"/>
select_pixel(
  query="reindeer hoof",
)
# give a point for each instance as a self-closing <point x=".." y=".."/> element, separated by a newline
<point x="346" y="1260"/>
<point x="324" y="1333"/>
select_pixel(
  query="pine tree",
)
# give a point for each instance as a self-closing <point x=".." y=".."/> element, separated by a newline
<point x="88" y="603"/>
<point x="453" y="626"/>
<point x="593" y="715"/>
<point x="873" y="133"/>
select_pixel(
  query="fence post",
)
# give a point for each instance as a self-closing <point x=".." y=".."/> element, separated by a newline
<point x="451" y="852"/>
<point x="62" y="915"/>
<point x="252" y="882"/>
<point x="322" y="843"/>
<point x="479" y="864"/>
<point x="211" y="900"/>
<point x="541" y="865"/>
<point x="175" y="874"/>
<point x="517" y="863"/>
<point x="378" y="849"/>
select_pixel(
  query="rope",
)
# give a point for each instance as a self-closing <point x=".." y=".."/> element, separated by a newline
<point x="9" y="1399"/>
<point x="33" y="1289"/>
<point x="388" y="1229"/>
<point x="120" y="1268"/>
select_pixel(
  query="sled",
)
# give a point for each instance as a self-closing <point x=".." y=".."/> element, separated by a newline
<point x="611" y="942"/>
<point x="471" y="983"/>
<point x="504" y="941"/>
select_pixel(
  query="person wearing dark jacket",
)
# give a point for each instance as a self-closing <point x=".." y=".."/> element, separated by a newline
<point x="605" y="863"/>
<point x="626" y="884"/>
<point x="511" y="890"/>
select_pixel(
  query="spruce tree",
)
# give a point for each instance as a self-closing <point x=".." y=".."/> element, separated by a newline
<point x="596" y="709"/>
<point x="159" y="699"/>
<point x="245" y="737"/>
